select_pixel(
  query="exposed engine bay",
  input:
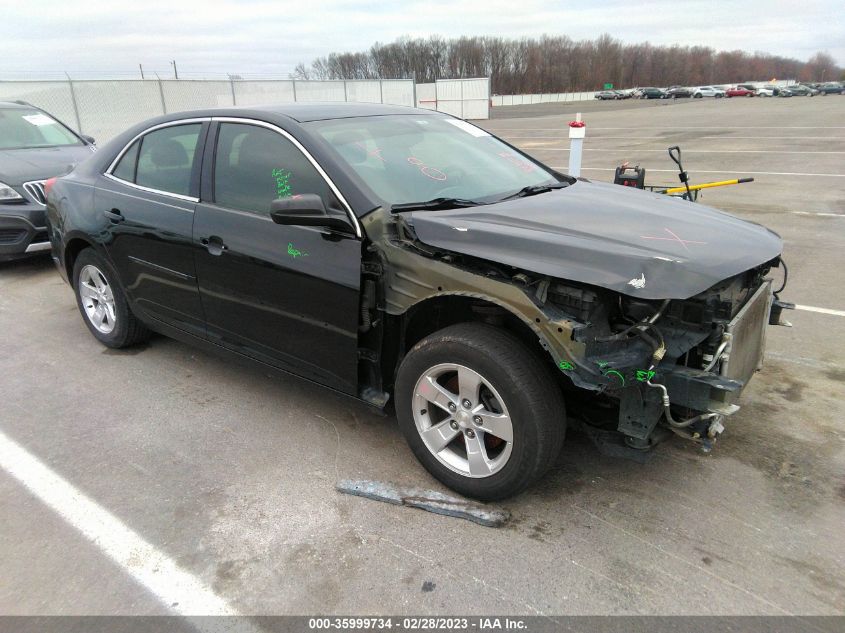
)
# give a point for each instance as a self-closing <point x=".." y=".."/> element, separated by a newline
<point x="677" y="363"/>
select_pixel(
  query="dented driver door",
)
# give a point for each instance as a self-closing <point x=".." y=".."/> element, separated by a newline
<point x="284" y="295"/>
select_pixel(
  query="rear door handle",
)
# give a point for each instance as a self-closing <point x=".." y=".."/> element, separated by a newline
<point x="214" y="245"/>
<point x="114" y="215"/>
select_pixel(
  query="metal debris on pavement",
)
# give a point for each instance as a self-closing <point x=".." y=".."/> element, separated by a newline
<point x="429" y="500"/>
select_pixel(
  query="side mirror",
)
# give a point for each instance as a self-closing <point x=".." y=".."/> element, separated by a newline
<point x="88" y="139"/>
<point x="306" y="209"/>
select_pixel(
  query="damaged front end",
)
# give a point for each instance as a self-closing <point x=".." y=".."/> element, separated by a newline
<point x="676" y="363"/>
<point x="684" y="362"/>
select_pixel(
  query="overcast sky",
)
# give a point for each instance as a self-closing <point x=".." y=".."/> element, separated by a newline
<point x="264" y="37"/>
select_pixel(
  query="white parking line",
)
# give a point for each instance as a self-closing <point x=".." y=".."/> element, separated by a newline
<point x="819" y="213"/>
<point x="679" y="128"/>
<point x="663" y="151"/>
<point x="564" y="131"/>
<point x="821" y="310"/>
<point x="142" y="561"/>
<point x="704" y="171"/>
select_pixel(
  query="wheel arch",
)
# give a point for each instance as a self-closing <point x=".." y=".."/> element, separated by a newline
<point x="73" y="247"/>
<point x="439" y="311"/>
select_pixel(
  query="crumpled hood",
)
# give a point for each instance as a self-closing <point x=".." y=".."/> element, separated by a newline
<point x="642" y="244"/>
<point x="18" y="166"/>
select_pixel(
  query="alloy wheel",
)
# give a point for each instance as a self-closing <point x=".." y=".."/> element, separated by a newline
<point x="97" y="299"/>
<point x="462" y="420"/>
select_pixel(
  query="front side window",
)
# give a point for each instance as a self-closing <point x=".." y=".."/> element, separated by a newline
<point x="417" y="158"/>
<point x="26" y="128"/>
<point x="166" y="158"/>
<point x="255" y="165"/>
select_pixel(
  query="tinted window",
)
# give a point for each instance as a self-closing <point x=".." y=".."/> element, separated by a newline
<point x="255" y="165"/>
<point x="125" y="169"/>
<point x="166" y="158"/>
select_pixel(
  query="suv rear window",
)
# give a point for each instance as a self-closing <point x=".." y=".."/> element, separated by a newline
<point x="23" y="128"/>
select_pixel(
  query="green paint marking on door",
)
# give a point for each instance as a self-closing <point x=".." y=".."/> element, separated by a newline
<point x="294" y="252"/>
<point x="565" y="365"/>
<point x="282" y="178"/>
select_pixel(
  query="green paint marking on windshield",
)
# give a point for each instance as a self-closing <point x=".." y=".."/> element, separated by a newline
<point x="565" y="365"/>
<point x="294" y="252"/>
<point x="644" y="375"/>
<point x="282" y="178"/>
<point x="621" y="377"/>
<point x="602" y="363"/>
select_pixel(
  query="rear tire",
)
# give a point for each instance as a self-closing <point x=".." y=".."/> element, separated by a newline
<point x="102" y="303"/>
<point x="472" y="389"/>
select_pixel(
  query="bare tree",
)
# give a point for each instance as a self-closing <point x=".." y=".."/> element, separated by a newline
<point x="556" y="63"/>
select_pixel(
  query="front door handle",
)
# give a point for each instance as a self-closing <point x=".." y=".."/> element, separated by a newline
<point x="114" y="215"/>
<point x="214" y="245"/>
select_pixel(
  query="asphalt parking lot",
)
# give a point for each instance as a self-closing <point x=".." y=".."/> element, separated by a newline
<point x="228" y="473"/>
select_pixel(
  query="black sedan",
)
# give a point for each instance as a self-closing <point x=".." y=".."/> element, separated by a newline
<point x="679" y="92"/>
<point x="400" y="254"/>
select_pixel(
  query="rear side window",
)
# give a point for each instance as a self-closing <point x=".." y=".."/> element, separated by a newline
<point x="125" y="169"/>
<point x="166" y="158"/>
<point x="254" y="166"/>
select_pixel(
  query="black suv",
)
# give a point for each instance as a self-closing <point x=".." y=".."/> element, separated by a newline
<point x="34" y="146"/>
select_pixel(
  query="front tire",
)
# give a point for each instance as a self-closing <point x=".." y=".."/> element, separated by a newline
<point x="479" y="411"/>
<point x="103" y="305"/>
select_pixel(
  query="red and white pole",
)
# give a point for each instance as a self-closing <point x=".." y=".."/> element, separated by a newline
<point x="577" y="132"/>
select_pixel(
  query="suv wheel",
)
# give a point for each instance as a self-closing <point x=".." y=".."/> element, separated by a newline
<point x="102" y="303"/>
<point x="479" y="411"/>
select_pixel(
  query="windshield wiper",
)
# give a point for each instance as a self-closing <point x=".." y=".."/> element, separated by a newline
<point x="435" y="204"/>
<point x="533" y="190"/>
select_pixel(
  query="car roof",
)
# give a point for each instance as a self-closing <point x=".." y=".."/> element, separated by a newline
<point x="15" y="105"/>
<point x="305" y="112"/>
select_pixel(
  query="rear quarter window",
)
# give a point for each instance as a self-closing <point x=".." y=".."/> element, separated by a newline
<point x="166" y="158"/>
<point x="125" y="169"/>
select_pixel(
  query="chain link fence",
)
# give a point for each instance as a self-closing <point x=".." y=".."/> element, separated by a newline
<point x="104" y="108"/>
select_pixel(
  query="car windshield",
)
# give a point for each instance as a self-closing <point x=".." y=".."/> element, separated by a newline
<point x="24" y="128"/>
<point x="416" y="158"/>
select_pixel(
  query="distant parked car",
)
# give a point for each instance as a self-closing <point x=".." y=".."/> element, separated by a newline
<point x="800" y="90"/>
<point x="767" y="91"/>
<point x="33" y="147"/>
<point x="708" y="91"/>
<point x="831" y="88"/>
<point x="679" y="92"/>
<point x="625" y="94"/>
<point x="606" y="95"/>
<point x="651" y="93"/>
<point x="740" y="91"/>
